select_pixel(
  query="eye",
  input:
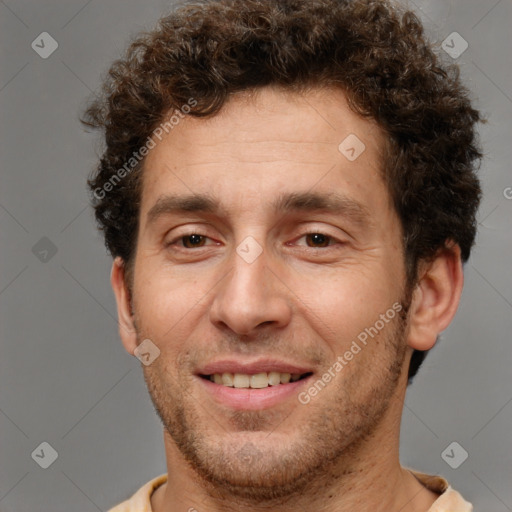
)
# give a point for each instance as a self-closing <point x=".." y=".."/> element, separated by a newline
<point x="318" y="240"/>
<point x="189" y="241"/>
<point x="193" y="240"/>
<point x="314" y="240"/>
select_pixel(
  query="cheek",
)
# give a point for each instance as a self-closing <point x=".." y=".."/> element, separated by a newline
<point x="342" y="304"/>
<point x="165" y="305"/>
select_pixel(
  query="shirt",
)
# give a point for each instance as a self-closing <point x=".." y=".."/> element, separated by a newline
<point x="449" y="500"/>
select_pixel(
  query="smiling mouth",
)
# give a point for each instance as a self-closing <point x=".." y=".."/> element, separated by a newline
<point x="254" y="381"/>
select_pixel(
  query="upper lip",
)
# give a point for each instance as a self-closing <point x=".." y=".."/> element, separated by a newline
<point x="251" y="368"/>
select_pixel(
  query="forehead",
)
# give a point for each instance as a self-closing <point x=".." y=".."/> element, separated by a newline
<point x="267" y="140"/>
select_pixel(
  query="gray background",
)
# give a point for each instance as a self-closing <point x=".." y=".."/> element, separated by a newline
<point x="65" y="378"/>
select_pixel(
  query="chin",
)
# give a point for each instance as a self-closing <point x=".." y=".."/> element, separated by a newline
<point x="253" y="476"/>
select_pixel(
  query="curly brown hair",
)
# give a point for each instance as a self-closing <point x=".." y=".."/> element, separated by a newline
<point x="376" y="52"/>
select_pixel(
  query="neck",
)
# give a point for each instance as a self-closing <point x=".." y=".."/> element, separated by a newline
<point x="369" y="478"/>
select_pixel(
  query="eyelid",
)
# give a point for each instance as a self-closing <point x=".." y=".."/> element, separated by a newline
<point x="186" y="229"/>
<point x="287" y="225"/>
<point x="333" y="238"/>
<point x="309" y="231"/>
<point x="178" y="238"/>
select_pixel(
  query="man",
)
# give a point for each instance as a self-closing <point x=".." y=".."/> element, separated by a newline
<point x="288" y="190"/>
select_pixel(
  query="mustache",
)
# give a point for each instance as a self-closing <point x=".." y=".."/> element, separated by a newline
<point x="269" y="347"/>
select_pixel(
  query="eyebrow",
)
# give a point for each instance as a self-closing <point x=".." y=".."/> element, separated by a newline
<point x="290" y="202"/>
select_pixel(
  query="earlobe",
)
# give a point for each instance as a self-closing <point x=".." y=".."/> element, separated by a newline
<point x="124" y="312"/>
<point x="435" y="298"/>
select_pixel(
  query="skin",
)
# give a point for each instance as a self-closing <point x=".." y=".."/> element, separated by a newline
<point x="300" y="301"/>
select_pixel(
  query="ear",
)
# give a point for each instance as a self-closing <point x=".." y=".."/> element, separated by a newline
<point x="124" y="309"/>
<point x="436" y="297"/>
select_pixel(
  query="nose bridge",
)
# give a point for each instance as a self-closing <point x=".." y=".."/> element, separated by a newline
<point x="250" y="294"/>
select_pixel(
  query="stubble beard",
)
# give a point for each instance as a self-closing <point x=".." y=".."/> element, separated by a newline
<point x="323" y="450"/>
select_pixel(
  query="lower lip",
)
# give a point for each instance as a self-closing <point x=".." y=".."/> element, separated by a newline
<point x="249" y="399"/>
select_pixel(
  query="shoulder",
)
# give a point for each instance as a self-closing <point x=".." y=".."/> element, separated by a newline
<point x="449" y="499"/>
<point x="141" y="500"/>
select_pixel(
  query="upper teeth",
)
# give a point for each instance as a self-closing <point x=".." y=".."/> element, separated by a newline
<point x="257" y="381"/>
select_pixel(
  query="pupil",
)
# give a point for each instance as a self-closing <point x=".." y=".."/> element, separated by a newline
<point x="193" y="240"/>
<point x="319" y="239"/>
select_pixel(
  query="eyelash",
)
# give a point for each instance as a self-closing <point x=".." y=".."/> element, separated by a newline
<point x="185" y="235"/>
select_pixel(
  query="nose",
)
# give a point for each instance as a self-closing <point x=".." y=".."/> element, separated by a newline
<point x="251" y="297"/>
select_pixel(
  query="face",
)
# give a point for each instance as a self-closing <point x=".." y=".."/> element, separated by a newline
<point x="266" y="250"/>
